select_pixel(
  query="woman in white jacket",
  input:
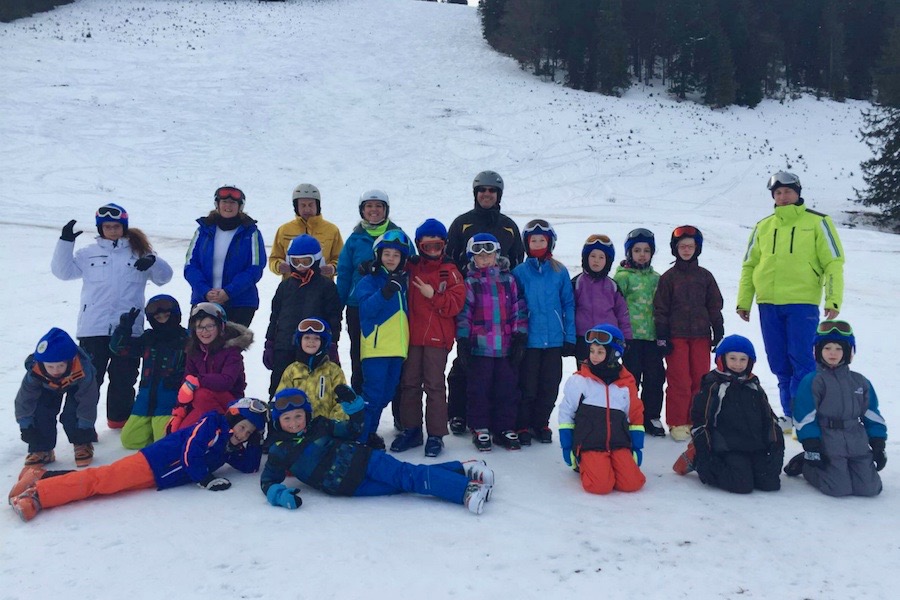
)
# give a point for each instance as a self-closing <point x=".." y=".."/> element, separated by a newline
<point x="115" y="271"/>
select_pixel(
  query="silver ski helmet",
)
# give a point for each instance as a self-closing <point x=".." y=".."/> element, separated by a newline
<point x="307" y="191"/>
<point x="375" y="195"/>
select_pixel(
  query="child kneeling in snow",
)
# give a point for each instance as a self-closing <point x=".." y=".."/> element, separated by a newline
<point x="188" y="455"/>
<point x="323" y="454"/>
<point x="736" y="442"/>
<point x="601" y="419"/>
<point x="838" y="422"/>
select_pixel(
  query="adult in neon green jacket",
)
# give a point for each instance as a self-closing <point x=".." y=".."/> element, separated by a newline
<point x="792" y="257"/>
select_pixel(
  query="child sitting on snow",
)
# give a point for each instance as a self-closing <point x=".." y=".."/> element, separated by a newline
<point x="601" y="419"/>
<point x="323" y="454"/>
<point x="736" y="442"/>
<point x="837" y="420"/>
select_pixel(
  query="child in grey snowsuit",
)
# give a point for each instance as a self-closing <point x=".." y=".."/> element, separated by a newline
<point x="837" y="420"/>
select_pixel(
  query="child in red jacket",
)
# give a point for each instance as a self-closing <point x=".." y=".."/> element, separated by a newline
<point x="437" y="293"/>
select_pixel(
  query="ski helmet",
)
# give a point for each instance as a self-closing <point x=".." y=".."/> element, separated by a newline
<point x="601" y="242"/>
<point x="286" y="400"/>
<point x="160" y="304"/>
<point x="686" y="231"/>
<point x="609" y="336"/>
<point x="392" y="238"/>
<point x="784" y="179"/>
<point x="488" y="179"/>
<point x="111" y="213"/>
<point x="375" y="195"/>
<point x="317" y="326"/>
<point x="636" y="236"/>
<point x="250" y="409"/>
<point x="837" y="332"/>
<point x="735" y="343"/>
<point x="306" y="191"/>
<point x="304" y="245"/>
<point x="482" y="243"/>
<point x="211" y="310"/>
<point x="229" y="192"/>
<point x="539" y="227"/>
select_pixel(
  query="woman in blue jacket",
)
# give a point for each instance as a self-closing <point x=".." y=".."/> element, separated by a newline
<point x="226" y="258"/>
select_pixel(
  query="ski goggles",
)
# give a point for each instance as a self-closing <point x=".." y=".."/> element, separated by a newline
<point x="111" y="212"/>
<point x="252" y="404"/>
<point x="290" y="402"/>
<point x="639" y="233"/>
<point x="782" y="178"/>
<point x="230" y="193"/>
<point x="684" y="230"/>
<point x="488" y="247"/>
<point x="159" y="307"/>
<point x="598" y="238"/>
<point x="839" y="327"/>
<point x="210" y="308"/>
<point x="303" y="261"/>
<point x="539" y="226"/>
<point x="394" y="235"/>
<point x="598" y="336"/>
<point x="311" y="326"/>
<point x="435" y="247"/>
<point x="486" y="189"/>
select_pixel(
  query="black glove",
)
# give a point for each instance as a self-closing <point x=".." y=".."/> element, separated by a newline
<point x="255" y="439"/>
<point x="365" y="267"/>
<point x="344" y="393"/>
<point x="126" y="321"/>
<point x="463" y="351"/>
<point x="145" y="262"/>
<point x="568" y="349"/>
<point x="517" y="348"/>
<point x="812" y="453"/>
<point x="717" y="335"/>
<point x="68" y="232"/>
<point x="878" y="454"/>
<point x="664" y="346"/>
<point x="214" y="484"/>
<point x="30" y="435"/>
<point x="390" y="288"/>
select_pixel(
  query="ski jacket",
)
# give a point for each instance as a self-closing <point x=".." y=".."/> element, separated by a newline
<point x="325" y="232"/>
<point x="383" y="322"/>
<point x="791" y="256"/>
<point x="295" y="300"/>
<point x="550" y="303"/>
<point x="602" y="415"/>
<point x="80" y="382"/>
<point x="432" y="321"/>
<point x="162" y="370"/>
<point x="638" y="286"/>
<point x="732" y="414"/>
<point x="318" y="382"/>
<point x="325" y="456"/>
<point x="480" y="220"/>
<point x="599" y="301"/>
<point x="111" y="285"/>
<point x="493" y="311"/>
<point x="222" y="370"/>
<point x="688" y="303"/>
<point x="243" y="267"/>
<point x="190" y="454"/>
<point x="356" y="251"/>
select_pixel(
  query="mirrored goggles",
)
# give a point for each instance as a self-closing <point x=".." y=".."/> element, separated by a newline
<point x="640" y="232"/>
<point x="598" y="239"/>
<point x="303" y="261"/>
<point x="111" y="212"/>
<point x="782" y="178"/>
<point x="434" y="247"/>
<point x="291" y="402"/>
<point x="229" y="193"/>
<point x="487" y="247"/>
<point x="210" y="308"/>
<point x="598" y="336"/>
<point x="684" y="230"/>
<point x="840" y="327"/>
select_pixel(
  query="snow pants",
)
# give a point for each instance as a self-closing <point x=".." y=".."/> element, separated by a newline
<point x="789" y="331"/>
<point x="603" y="472"/>
<point x="845" y="476"/>
<point x="644" y="360"/>
<point x="281" y="360"/>
<point x="385" y="475"/>
<point x="206" y="400"/>
<point x="457" y="385"/>
<point x="424" y="370"/>
<point x="129" y="473"/>
<point x="381" y="375"/>
<point x="139" y="432"/>
<point x="123" y="374"/>
<point x="685" y="367"/>
<point x="45" y="412"/>
<point x="741" y="472"/>
<point x="492" y="393"/>
<point x="354" y="331"/>
<point x="539" y="377"/>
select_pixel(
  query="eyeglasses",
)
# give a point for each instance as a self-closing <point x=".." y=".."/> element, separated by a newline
<point x="488" y="247"/>
<point x="252" y="404"/>
<point x="485" y="189"/>
<point x="782" y="178"/>
<point x="111" y="212"/>
<point x="229" y="193"/>
<point x="311" y="325"/>
<point x="435" y="247"/>
<point x="302" y="261"/>
<point x="840" y="327"/>
<point x="205" y="328"/>
<point x="639" y="233"/>
<point x="684" y="230"/>
<point x="598" y="336"/>
<point x="159" y="307"/>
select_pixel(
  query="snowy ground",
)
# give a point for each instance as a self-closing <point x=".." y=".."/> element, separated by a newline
<point x="155" y="104"/>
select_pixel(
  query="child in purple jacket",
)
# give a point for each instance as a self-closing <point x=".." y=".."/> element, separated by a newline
<point x="597" y="296"/>
<point x="491" y="333"/>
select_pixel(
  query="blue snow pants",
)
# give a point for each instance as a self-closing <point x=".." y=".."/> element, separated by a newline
<point x="385" y="475"/>
<point x="789" y="332"/>
<point x="381" y="376"/>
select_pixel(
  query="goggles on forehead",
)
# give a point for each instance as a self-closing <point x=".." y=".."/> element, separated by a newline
<point x="598" y="336"/>
<point x="111" y="212"/>
<point x="210" y="308"/>
<point x="782" y="178"/>
<point x="311" y="325"/>
<point x="302" y="261"/>
<point x="252" y="404"/>
<point x="839" y="327"/>
<point x="598" y="239"/>
<point x="685" y="230"/>
<point x="488" y="247"/>
<point x="640" y="233"/>
<point x="229" y="193"/>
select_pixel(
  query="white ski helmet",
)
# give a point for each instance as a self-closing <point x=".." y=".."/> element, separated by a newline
<point x="375" y="195"/>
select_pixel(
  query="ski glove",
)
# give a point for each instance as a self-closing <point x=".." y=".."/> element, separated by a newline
<point x="717" y="334"/>
<point x="566" y="439"/>
<point x="390" y="288"/>
<point x="463" y="351"/>
<point x="68" y="232"/>
<point x="186" y="392"/>
<point x="878" y="454"/>
<point x="127" y="320"/>
<point x="637" y="445"/>
<point x="279" y="495"/>
<point x="145" y="262"/>
<point x="269" y="354"/>
<point x="351" y="403"/>
<point x="214" y="484"/>
<point x="812" y="453"/>
<point x="568" y="349"/>
<point x="664" y="346"/>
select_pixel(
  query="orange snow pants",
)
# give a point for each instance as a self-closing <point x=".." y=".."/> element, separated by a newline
<point x="685" y="368"/>
<point x="602" y="472"/>
<point x="129" y="473"/>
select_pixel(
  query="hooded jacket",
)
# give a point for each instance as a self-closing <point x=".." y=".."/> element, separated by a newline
<point x="80" y="382"/>
<point x="688" y="303"/>
<point x="383" y="322"/>
<point x="550" y="303"/>
<point x="599" y="301"/>
<point x="638" y="286"/>
<point x="222" y="370"/>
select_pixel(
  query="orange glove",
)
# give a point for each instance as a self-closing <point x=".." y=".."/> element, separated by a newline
<point x="186" y="392"/>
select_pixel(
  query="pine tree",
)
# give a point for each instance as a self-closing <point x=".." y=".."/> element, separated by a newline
<point x="612" y="49"/>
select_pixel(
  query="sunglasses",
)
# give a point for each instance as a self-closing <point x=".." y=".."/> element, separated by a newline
<point x="640" y="233"/>
<point x="684" y="230"/>
<point x="159" y="307"/>
<point x="782" y="178"/>
<point x="111" y="212"/>
<point x="253" y="404"/>
<point x="291" y="402"/>
<point x="598" y="336"/>
<point x="302" y="261"/>
<point x="840" y="327"/>
<point x="488" y="247"/>
<point x="485" y="189"/>
<point x="311" y="325"/>
<point x="435" y="247"/>
<point x="229" y="193"/>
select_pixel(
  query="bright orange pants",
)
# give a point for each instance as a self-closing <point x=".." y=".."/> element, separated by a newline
<point x="129" y="473"/>
<point x="602" y="472"/>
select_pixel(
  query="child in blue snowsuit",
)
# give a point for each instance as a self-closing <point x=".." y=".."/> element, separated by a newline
<point x="323" y="454"/>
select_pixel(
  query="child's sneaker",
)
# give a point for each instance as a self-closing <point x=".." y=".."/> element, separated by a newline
<point x="508" y="439"/>
<point x="685" y="462"/>
<point x="84" y="454"/>
<point x="40" y="458"/>
<point x="680" y="433"/>
<point x="433" y="446"/>
<point x="544" y="435"/>
<point x="474" y="498"/>
<point x="457" y="426"/>
<point x="408" y="438"/>
<point x="482" y="440"/>
<point x="27" y="504"/>
<point x="654" y="427"/>
<point x="786" y="424"/>
<point x="524" y="437"/>
<point x="27" y="478"/>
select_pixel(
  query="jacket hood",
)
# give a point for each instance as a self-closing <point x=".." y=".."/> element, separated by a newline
<point x="237" y="335"/>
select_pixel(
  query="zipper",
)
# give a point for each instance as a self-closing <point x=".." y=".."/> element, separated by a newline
<point x="792" y="239"/>
<point x="774" y="241"/>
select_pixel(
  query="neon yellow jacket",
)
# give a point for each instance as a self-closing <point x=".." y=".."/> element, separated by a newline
<point x="791" y="256"/>
<point x="325" y="232"/>
<point x="319" y="385"/>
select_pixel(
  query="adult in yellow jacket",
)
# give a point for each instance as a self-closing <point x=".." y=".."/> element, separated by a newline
<point x="792" y="257"/>
<point x="308" y="208"/>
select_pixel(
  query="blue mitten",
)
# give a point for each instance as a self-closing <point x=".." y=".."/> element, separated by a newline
<point x="279" y="495"/>
<point x="637" y="445"/>
<point x="565" y="441"/>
